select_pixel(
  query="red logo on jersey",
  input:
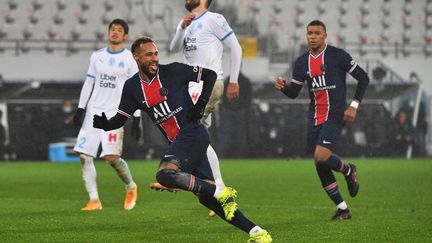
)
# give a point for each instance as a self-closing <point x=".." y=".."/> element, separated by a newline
<point x="112" y="137"/>
<point x="194" y="96"/>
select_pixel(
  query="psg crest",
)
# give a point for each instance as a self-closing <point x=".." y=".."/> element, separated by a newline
<point x="163" y="91"/>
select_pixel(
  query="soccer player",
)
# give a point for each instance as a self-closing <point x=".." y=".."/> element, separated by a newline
<point x="200" y="35"/>
<point x="109" y="68"/>
<point x="323" y="68"/>
<point x="161" y="91"/>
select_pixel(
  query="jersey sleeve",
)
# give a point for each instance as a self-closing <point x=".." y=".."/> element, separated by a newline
<point x="189" y="73"/>
<point x="346" y="62"/>
<point x="298" y="76"/>
<point x="220" y="27"/>
<point x="127" y="105"/>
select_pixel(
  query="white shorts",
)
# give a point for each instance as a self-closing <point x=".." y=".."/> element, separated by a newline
<point x="89" y="139"/>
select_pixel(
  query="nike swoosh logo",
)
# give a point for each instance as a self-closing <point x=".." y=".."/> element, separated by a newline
<point x="326" y="142"/>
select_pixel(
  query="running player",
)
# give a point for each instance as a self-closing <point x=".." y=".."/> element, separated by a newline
<point x="323" y="68"/>
<point x="162" y="92"/>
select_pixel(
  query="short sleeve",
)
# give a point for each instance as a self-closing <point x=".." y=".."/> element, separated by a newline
<point x="127" y="105"/>
<point x="346" y="62"/>
<point x="189" y="73"/>
<point x="91" y="72"/>
<point x="298" y="76"/>
<point x="220" y="27"/>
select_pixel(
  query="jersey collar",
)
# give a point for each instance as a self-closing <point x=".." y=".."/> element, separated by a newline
<point x="149" y="81"/>
<point x="319" y="54"/>
<point x="199" y="16"/>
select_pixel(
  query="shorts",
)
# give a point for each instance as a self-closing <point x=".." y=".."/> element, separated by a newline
<point x="326" y="135"/>
<point x="89" y="139"/>
<point x="189" y="151"/>
<point x="214" y="100"/>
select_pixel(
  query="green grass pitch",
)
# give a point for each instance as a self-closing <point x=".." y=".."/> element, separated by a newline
<point x="40" y="202"/>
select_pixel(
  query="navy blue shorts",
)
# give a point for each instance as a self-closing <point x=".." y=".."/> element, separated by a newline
<point x="326" y="135"/>
<point x="189" y="151"/>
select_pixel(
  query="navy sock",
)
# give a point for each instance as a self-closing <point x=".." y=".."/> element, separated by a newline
<point x="185" y="181"/>
<point x="240" y="221"/>
<point x="328" y="182"/>
<point x="336" y="164"/>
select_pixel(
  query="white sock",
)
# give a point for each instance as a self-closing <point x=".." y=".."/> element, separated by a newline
<point x="342" y="205"/>
<point x="214" y="165"/>
<point x="89" y="176"/>
<point x="255" y="230"/>
<point x="122" y="169"/>
<point x="131" y="185"/>
<point x="218" y="191"/>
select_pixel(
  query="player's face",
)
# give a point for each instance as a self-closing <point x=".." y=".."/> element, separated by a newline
<point x="147" y="58"/>
<point x="316" y="37"/>
<point x="191" y="4"/>
<point x="116" y="34"/>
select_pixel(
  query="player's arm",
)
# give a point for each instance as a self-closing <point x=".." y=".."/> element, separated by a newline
<point x="362" y="82"/>
<point x="177" y="41"/>
<point x="209" y="78"/>
<point x="233" y="88"/>
<point x="126" y="109"/>
<point x="292" y="90"/>
<point x="85" y="94"/>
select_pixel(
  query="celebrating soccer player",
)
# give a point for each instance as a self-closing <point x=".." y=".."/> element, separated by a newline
<point x="162" y="92"/>
<point x="323" y="68"/>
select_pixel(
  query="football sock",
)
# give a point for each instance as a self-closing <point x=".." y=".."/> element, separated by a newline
<point x="342" y="205"/>
<point x="185" y="181"/>
<point x="328" y="181"/>
<point x="214" y="165"/>
<point x="122" y="169"/>
<point x="336" y="164"/>
<point x="240" y="221"/>
<point x="89" y="176"/>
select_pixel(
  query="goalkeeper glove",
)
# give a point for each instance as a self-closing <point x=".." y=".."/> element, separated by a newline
<point x="78" y="118"/>
<point x="197" y="111"/>
<point x="100" y="121"/>
<point x="135" y="128"/>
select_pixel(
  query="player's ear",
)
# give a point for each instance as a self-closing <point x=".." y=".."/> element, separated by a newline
<point x="135" y="56"/>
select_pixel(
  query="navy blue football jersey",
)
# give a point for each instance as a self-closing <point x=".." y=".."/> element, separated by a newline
<point x="165" y="98"/>
<point x="325" y="75"/>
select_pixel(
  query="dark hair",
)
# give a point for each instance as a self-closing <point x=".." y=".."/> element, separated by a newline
<point x="137" y="43"/>
<point x="121" y="22"/>
<point x="208" y="3"/>
<point x="317" y="23"/>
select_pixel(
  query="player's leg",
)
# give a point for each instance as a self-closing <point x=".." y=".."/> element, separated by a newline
<point x="88" y="141"/>
<point x="239" y="220"/>
<point x="112" y="143"/>
<point x="329" y="183"/>
<point x="213" y="102"/>
<point x="329" y="137"/>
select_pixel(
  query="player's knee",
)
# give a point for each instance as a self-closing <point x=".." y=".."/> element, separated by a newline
<point x="84" y="158"/>
<point x="320" y="158"/>
<point x="111" y="159"/>
<point x="166" y="177"/>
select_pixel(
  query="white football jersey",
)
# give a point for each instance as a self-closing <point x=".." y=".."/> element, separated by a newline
<point x="110" y="70"/>
<point x="203" y="38"/>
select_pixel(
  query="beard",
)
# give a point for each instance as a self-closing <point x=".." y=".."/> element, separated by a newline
<point x="191" y="6"/>
<point x="146" y="70"/>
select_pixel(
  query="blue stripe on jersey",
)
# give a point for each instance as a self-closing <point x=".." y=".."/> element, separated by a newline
<point x="196" y="18"/>
<point x="226" y="36"/>
<point x="90" y="76"/>
<point x="115" y="52"/>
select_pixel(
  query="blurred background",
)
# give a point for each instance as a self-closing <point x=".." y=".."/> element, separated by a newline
<point x="45" y="46"/>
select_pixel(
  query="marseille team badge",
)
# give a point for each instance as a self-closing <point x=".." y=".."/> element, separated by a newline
<point x="163" y="91"/>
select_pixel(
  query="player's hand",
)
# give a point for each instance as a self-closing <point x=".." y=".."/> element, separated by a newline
<point x="187" y="20"/>
<point x="197" y="112"/>
<point x="100" y="121"/>
<point x="350" y="114"/>
<point x="78" y="118"/>
<point x="135" y="128"/>
<point x="280" y="83"/>
<point x="233" y="91"/>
